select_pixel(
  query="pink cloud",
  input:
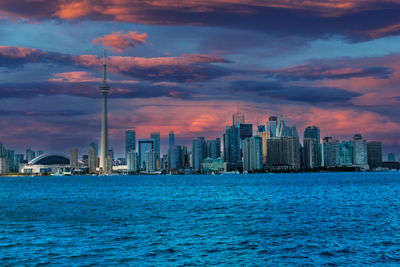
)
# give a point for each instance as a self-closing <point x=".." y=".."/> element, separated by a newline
<point x="119" y="41"/>
<point x="74" y="76"/>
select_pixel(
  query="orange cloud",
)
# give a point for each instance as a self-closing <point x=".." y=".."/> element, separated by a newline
<point x="74" y="76"/>
<point x="119" y="41"/>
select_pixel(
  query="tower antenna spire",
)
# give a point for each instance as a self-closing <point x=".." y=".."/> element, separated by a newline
<point x="105" y="65"/>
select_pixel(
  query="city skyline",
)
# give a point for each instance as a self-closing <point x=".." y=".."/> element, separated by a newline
<point x="189" y="73"/>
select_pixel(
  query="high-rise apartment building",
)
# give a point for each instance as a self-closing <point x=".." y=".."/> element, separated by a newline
<point x="156" y="138"/>
<point x="232" y="145"/>
<point x="198" y="152"/>
<point x="74" y="157"/>
<point x="331" y="149"/>
<point x="252" y="153"/>
<point x="360" y="157"/>
<point x="92" y="159"/>
<point x="213" y="148"/>
<point x="346" y="153"/>
<point x="374" y="153"/>
<point x="144" y="146"/>
<point x="314" y="132"/>
<point x="150" y="160"/>
<point x="130" y="141"/>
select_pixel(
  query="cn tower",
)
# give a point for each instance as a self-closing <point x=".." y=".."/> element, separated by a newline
<point x="104" y="89"/>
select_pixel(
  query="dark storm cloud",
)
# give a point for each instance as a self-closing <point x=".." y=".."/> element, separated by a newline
<point x="37" y="113"/>
<point x="312" y="95"/>
<point x="311" y="72"/>
<point x="355" y="19"/>
<point x="90" y="90"/>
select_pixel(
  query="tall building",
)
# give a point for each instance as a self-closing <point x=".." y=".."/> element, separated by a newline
<point x="237" y="118"/>
<point x="198" y="152"/>
<point x="11" y="158"/>
<point x="265" y="135"/>
<point x="283" y="152"/>
<point x="252" y="153"/>
<point x="314" y="132"/>
<point x="2" y="150"/>
<point x="232" y="145"/>
<point x="213" y="148"/>
<point x="95" y="145"/>
<point x="74" y="157"/>
<point x="392" y="157"/>
<point x="374" y="153"/>
<point x="245" y="130"/>
<point x="104" y="89"/>
<point x="311" y="150"/>
<point x="271" y="125"/>
<point x="132" y="161"/>
<point x="92" y="159"/>
<point x="130" y="141"/>
<point x="360" y="157"/>
<point x="4" y="165"/>
<point x="260" y="128"/>
<point x="30" y="155"/>
<point x="144" y="146"/>
<point x="171" y="143"/>
<point x="150" y="160"/>
<point x="19" y="160"/>
<point x="177" y="157"/>
<point x="346" y="153"/>
<point x="156" y="137"/>
<point x="331" y="149"/>
<point x="109" y="165"/>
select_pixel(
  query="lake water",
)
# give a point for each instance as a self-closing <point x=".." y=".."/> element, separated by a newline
<point x="263" y="219"/>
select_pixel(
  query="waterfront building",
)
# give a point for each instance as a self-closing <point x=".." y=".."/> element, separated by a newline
<point x="144" y="146"/>
<point x="198" y="152"/>
<point x="212" y="165"/>
<point x="4" y="165"/>
<point x="150" y="160"/>
<point x="156" y="137"/>
<point x="310" y="153"/>
<point x="132" y="160"/>
<point x="283" y="153"/>
<point x="104" y="89"/>
<point x="213" y="148"/>
<point x="331" y="149"/>
<point x="252" y="153"/>
<point x="130" y="141"/>
<point x="232" y="152"/>
<point x="74" y="158"/>
<point x="171" y="143"/>
<point x="374" y="153"/>
<point x="11" y="158"/>
<point x="360" y="157"/>
<point x="346" y="153"/>
<point x="92" y="159"/>
<point x="47" y="163"/>
<point x="109" y="165"/>
<point x="392" y="157"/>
<point x="30" y="155"/>
<point x="111" y="153"/>
<point x="265" y="135"/>
<point x="314" y="132"/>
<point x="177" y="157"/>
<point x="19" y="161"/>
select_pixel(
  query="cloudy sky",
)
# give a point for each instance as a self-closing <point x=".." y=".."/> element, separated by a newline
<point x="186" y="65"/>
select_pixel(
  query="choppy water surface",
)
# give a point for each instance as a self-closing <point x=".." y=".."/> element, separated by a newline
<point x="279" y="219"/>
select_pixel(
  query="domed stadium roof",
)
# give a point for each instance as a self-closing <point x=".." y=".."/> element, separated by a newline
<point x="50" y="159"/>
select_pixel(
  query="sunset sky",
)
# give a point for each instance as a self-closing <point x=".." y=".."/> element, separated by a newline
<point x="186" y="65"/>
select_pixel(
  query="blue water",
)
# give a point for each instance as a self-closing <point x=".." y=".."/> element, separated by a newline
<point x="279" y="219"/>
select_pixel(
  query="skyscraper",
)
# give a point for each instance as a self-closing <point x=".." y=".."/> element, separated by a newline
<point x="95" y="145"/>
<point x="30" y="155"/>
<point x="252" y="153"/>
<point x="150" y="160"/>
<point x="265" y="135"/>
<point x="177" y="157"/>
<point x="346" y="153"/>
<point x="19" y="159"/>
<point x="331" y="148"/>
<point x="314" y="132"/>
<point x="232" y="145"/>
<point x="104" y="89"/>
<point x="132" y="161"/>
<point x="213" y="148"/>
<point x="310" y="152"/>
<point x="92" y="159"/>
<point x="156" y="137"/>
<point x="144" y="146"/>
<point x="237" y="118"/>
<point x="198" y="152"/>
<point x="360" y="157"/>
<point x="11" y="159"/>
<point x="374" y="153"/>
<point x="171" y="143"/>
<point x="245" y="130"/>
<point x="271" y="125"/>
<point x="391" y="157"/>
<point x="74" y="157"/>
<point x="130" y="141"/>
<point x="283" y="152"/>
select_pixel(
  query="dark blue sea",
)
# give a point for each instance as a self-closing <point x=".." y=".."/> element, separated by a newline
<point x="264" y="220"/>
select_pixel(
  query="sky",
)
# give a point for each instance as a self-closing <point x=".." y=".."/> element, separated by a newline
<point x="185" y="66"/>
